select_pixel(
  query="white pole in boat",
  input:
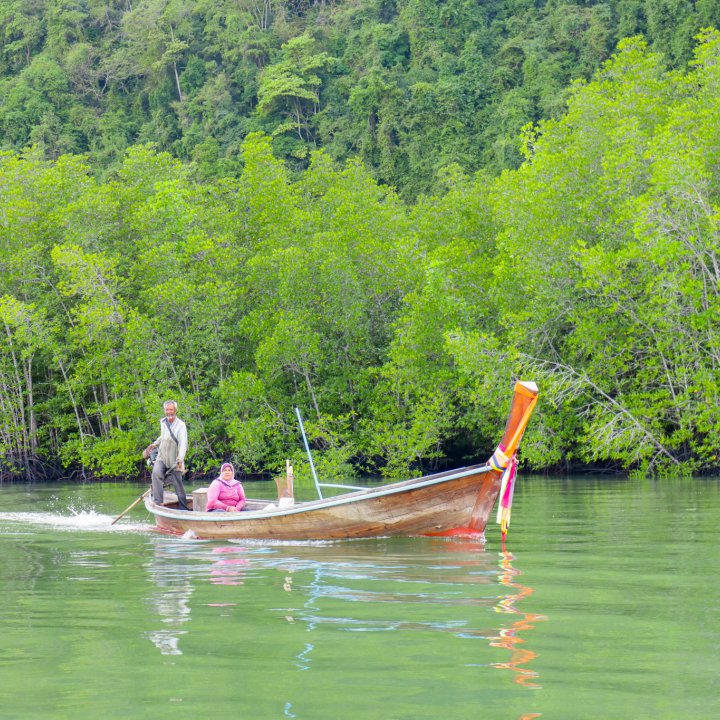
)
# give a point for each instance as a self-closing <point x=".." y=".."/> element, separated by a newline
<point x="307" y="449"/>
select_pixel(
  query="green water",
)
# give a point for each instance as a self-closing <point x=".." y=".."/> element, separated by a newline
<point x="603" y="604"/>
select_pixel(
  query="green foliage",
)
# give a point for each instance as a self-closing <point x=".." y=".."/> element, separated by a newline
<point x="397" y="329"/>
<point x="608" y="226"/>
<point x="290" y="87"/>
<point x="410" y="87"/>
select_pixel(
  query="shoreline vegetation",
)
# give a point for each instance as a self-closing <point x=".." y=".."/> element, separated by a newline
<point x="396" y="321"/>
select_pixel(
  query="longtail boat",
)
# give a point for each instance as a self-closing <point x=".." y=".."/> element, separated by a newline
<point x="451" y="503"/>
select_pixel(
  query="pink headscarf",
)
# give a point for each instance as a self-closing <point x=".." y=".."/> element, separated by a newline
<point x="227" y="465"/>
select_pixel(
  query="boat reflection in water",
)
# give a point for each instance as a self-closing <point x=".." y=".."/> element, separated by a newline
<point x="173" y="568"/>
<point x="509" y="638"/>
<point x="171" y="575"/>
<point x="421" y="587"/>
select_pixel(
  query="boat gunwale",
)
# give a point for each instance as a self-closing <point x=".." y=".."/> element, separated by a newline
<point x="320" y="503"/>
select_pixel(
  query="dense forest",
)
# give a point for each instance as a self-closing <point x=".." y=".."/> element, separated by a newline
<point x="253" y="258"/>
<point x="407" y="86"/>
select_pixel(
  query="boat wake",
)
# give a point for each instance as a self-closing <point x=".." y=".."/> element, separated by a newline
<point x="77" y="520"/>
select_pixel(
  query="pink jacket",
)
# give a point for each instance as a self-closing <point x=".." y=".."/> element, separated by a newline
<point x="221" y="495"/>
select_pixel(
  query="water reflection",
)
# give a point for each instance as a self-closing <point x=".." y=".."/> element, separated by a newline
<point x="509" y="638"/>
<point x="226" y="568"/>
<point x="420" y="587"/>
<point x="172" y="577"/>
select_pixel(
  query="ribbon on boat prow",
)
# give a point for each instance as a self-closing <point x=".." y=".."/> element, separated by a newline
<point x="504" y="459"/>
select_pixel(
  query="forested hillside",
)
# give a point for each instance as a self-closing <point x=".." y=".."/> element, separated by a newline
<point x="396" y="327"/>
<point x="408" y="86"/>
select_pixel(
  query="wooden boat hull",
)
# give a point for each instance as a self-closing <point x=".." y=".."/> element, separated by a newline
<point x="398" y="509"/>
<point x="456" y="502"/>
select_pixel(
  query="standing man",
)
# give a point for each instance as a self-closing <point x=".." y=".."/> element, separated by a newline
<point x="170" y="462"/>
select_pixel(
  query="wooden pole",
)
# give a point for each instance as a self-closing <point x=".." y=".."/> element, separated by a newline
<point x="130" y="507"/>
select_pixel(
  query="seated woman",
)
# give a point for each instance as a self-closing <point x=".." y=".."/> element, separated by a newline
<point x="225" y="493"/>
